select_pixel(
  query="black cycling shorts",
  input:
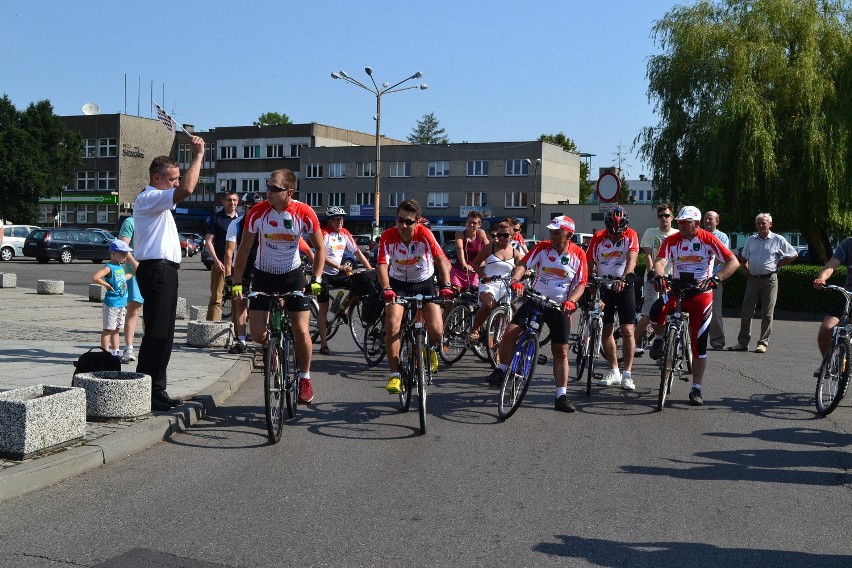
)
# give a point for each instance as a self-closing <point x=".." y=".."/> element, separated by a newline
<point x="558" y="321"/>
<point x="281" y="284"/>
<point x="426" y="288"/>
<point x="624" y="302"/>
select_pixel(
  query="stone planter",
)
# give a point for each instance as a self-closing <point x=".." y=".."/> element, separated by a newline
<point x="50" y="287"/>
<point x="209" y="333"/>
<point x="8" y="280"/>
<point x="38" y="418"/>
<point x="96" y="293"/>
<point x="197" y="312"/>
<point x="115" y="394"/>
<point x="180" y="312"/>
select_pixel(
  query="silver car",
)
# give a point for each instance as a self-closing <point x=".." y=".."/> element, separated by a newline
<point x="13" y="240"/>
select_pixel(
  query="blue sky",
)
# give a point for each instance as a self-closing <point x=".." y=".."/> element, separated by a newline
<point x="497" y="71"/>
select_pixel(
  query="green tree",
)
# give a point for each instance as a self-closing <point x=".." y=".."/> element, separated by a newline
<point x="428" y="131"/>
<point x="38" y="155"/>
<point x="272" y="118"/>
<point x="586" y="187"/>
<point x="754" y="100"/>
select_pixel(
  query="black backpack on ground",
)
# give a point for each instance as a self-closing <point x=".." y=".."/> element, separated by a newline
<point x="97" y="359"/>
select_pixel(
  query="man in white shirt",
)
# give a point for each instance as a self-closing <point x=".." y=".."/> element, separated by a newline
<point x="649" y="246"/>
<point x="158" y="252"/>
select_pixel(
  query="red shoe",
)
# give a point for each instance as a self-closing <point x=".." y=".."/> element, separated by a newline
<point x="306" y="391"/>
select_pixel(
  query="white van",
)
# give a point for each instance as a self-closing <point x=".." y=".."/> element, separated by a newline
<point x="13" y="240"/>
<point x="446" y="233"/>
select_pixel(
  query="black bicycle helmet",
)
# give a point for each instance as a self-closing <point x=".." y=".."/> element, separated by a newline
<point x="617" y="219"/>
<point x="252" y="198"/>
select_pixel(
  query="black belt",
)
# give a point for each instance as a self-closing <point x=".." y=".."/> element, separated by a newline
<point x="764" y="276"/>
<point x="151" y="262"/>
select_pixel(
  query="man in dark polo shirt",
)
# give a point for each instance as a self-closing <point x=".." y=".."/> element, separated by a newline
<point x="214" y="241"/>
<point x="158" y="252"/>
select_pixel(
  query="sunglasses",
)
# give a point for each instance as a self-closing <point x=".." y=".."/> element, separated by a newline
<point x="664" y="215"/>
<point x="406" y="222"/>
<point x="502" y="235"/>
<point x="275" y="188"/>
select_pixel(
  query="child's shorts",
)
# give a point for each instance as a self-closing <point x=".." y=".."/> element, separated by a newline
<point x="114" y="318"/>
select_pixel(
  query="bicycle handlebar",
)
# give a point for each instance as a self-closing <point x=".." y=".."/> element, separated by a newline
<point x="541" y="299"/>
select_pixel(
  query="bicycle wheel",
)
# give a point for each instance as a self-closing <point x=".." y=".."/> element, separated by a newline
<point x="313" y="330"/>
<point x="668" y="365"/>
<point x="495" y="327"/>
<point x="421" y="359"/>
<point x="226" y="306"/>
<point x="273" y="389"/>
<point x="291" y="377"/>
<point x="594" y="349"/>
<point x="544" y="335"/>
<point x="406" y="372"/>
<point x="456" y="327"/>
<point x="833" y="378"/>
<point x="519" y="373"/>
<point x="357" y="327"/>
<point x="686" y="344"/>
<point x="581" y="347"/>
<point x="374" y="342"/>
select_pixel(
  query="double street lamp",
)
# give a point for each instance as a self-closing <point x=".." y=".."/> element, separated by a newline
<point x="378" y="91"/>
<point x="537" y="163"/>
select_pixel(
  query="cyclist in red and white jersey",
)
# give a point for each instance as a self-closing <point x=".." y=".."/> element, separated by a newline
<point x="407" y="260"/>
<point x="691" y="253"/>
<point x="277" y="224"/>
<point x="337" y="240"/>
<point x="560" y="267"/>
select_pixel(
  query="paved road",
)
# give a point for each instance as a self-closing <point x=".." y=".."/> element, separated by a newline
<point x="752" y="478"/>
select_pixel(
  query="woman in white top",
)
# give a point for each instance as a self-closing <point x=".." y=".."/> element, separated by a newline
<point x="491" y="264"/>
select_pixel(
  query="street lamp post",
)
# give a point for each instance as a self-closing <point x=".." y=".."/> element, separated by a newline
<point x="537" y="163"/>
<point x="378" y="91"/>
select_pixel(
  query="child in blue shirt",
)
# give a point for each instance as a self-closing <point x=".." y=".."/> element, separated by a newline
<point x="114" y="278"/>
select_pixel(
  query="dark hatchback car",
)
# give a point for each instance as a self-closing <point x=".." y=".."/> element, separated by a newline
<point x="65" y="245"/>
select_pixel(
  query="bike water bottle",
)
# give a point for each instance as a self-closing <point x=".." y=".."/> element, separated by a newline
<point x="276" y="320"/>
<point x="337" y="299"/>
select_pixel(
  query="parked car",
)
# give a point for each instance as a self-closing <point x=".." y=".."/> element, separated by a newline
<point x="187" y="247"/>
<point x="196" y="238"/>
<point x="107" y="234"/>
<point x="65" y="245"/>
<point x="364" y="242"/>
<point x="13" y="240"/>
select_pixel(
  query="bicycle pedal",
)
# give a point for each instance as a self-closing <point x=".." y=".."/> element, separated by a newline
<point x="542" y="359"/>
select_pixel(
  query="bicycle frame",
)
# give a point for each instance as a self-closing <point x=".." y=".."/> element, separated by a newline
<point x="677" y="349"/>
<point x="414" y="352"/>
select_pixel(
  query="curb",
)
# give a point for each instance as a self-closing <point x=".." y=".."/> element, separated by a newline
<point x="65" y="464"/>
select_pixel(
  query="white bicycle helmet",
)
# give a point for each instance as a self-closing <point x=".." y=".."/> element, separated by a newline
<point x="335" y="211"/>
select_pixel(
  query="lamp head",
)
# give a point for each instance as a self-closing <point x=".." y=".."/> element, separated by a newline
<point x="335" y="75"/>
<point x="417" y="75"/>
<point x="368" y="70"/>
<point x="344" y="74"/>
<point x="424" y="86"/>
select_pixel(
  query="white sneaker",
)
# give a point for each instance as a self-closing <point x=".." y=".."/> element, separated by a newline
<point x="627" y="383"/>
<point x="128" y="356"/>
<point x="613" y="377"/>
<point x="639" y="351"/>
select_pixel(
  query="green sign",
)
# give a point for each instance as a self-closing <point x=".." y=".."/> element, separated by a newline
<point x="89" y="199"/>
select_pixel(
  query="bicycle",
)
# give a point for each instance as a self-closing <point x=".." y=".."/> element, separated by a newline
<point x="519" y="372"/>
<point x="458" y="324"/>
<point x="341" y="310"/>
<point x="833" y="373"/>
<point x="374" y="340"/>
<point x="677" y="350"/>
<point x="280" y="367"/>
<point x="498" y="320"/>
<point x="587" y="344"/>
<point x="414" y="353"/>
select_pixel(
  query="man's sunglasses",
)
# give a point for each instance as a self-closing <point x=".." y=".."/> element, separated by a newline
<point x="501" y="235"/>
<point x="275" y="188"/>
<point x="663" y="215"/>
<point x="406" y="222"/>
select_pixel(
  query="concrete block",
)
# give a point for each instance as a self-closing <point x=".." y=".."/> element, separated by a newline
<point x="8" y="280"/>
<point x="209" y="333"/>
<point x="197" y="312"/>
<point x="38" y="418"/>
<point x="50" y="287"/>
<point x="96" y="293"/>
<point x="180" y="313"/>
<point x="115" y="394"/>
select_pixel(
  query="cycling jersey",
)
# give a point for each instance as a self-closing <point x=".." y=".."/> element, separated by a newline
<point x="335" y="245"/>
<point x="278" y="234"/>
<point x="693" y="256"/>
<point x="556" y="274"/>
<point x="412" y="262"/>
<point x="611" y="257"/>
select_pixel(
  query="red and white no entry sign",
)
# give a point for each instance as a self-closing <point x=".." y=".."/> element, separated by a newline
<point x="607" y="187"/>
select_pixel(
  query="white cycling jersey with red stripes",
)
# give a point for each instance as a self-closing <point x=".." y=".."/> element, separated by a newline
<point x="278" y="234"/>
<point x="556" y="274"/>
<point x="336" y="243"/>
<point x="412" y="262"/>
<point x="611" y="257"/>
<point x="695" y="255"/>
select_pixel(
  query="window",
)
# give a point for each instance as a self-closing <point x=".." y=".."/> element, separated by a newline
<point x="477" y="167"/>
<point x="517" y="168"/>
<point x="437" y="199"/>
<point x="184" y="156"/>
<point x="85" y="214"/>
<point x="251" y="151"/>
<point x="251" y="185"/>
<point x="106" y="215"/>
<point x="209" y="153"/>
<point x="400" y="169"/>
<point x="312" y="199"/>
<point x="313" y="171"/>
<point x="296" y="150"/>
<point x="337" y="170"/>
<point x="90" y="148"/>
<point x="107" y="148"/>
<point x="227" y="152"/>
<point x="515" y="199"/>
<point x="365" y="169"/>
<point x="364" y="198"/>
<point x="476" y="199"/>
<point x="86" y="181"/>
<point x="228" y="185"/>
<point x="395" y="198"/>
<point x="107" y="181"/>
<point x="275" y="151"/>
<point x="337" y="199"/>
<point x="439" y="169"/>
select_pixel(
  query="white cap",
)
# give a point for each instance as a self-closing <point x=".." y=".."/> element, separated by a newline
<point x="689" y="213"/>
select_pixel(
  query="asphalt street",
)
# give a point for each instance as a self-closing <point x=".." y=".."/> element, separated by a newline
<point x="753" y="477"/>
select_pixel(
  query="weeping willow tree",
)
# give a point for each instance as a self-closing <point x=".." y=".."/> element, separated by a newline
<point x="755" y="101"/>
